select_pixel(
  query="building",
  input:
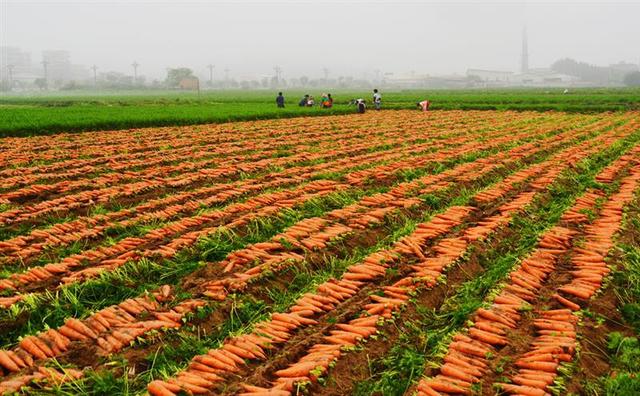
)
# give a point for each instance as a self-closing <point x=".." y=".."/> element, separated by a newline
<point x="624" y="67"/>
<point x="491" y="77"/>
<point x="15" y="65"/>
<point x="189" y="83"/>
<point x="57" y="65"/>
<point x="544" y="78"/>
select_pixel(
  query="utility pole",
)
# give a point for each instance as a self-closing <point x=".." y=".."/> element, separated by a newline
<point x="278" y="71"/>
<point x="135" y="71"/>
<point x="45" y="63"/>
<point x="211" y="67"/>
<point x="524" y="61"/>
<point x="95" y="76"/>
<point x="10" y="75"/>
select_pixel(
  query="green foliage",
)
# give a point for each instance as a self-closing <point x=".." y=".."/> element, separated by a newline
<point x="174" y="76"/>
<point x="46" y="114"/>
<point x="625" y="361"/>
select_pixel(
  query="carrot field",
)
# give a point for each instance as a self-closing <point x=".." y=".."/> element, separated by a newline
<point x="390" y="253"/>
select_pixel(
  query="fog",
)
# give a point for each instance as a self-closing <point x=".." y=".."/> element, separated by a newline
<point x="303" y="37"/>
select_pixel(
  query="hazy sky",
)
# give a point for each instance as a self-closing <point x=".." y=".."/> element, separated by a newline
<point x="347" y="37"/>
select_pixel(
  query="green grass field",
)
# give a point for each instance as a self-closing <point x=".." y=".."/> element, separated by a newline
<point x="86" y="111"/>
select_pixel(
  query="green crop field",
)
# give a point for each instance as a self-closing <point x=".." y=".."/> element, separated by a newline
<point x="51" y="113"/>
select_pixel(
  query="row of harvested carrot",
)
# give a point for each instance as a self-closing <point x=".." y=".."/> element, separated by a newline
<point x="302" y="231"/>
<point x="16" y="246"/>
<point x="467" y="359"/>
<point x="182" y="180"/>
<point x="424" y="274"/>
<point x="429" y="270"/>
<point x="281" y="327"/>
<point x="170" y="249"/>
<point x="378" y="201"/>
<point x="125" y="249"/>
<point x="34" y="151"/>
<point x="54" y="342"/>
<point x="245" y="163"/>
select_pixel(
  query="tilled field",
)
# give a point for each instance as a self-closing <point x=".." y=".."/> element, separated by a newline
<point x="392" y="253"/>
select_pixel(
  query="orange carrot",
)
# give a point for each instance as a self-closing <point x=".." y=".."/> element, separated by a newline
<point x="159" y="388"/>
<point x="7" y="362"/>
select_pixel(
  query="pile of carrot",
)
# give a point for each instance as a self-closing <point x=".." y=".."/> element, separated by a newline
<point x="232" y="355"/>
<point x="47" y="375"/>
<point x="466" y="360"/>
<point x="500" y="190"/>
<point x="554" y="344"/>
<point x="281" y="326"/>
<point x="589" y="263"/>
<point x="111" y="328"/>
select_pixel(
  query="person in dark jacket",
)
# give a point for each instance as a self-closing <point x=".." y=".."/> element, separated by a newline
<point x="303" y="101"/>
<point x="280" y="100"/>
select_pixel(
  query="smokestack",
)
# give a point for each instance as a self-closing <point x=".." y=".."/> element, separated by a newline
<point x="524" y="62"/>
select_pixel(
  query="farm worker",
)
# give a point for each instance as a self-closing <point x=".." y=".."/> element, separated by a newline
<point x="327" y="101"/>
<point x="424" y="105"/>
<point x="361" y="105"/>
<point x="280" y="100"/>
<point x="303" y="101"/>
<point x="377" y="99"/>
<point x="310" y="101"/>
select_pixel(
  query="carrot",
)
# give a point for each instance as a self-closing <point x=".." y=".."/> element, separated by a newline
<point x="217" y="354"/>
<point x="298" y="370"/>
<point x="550" y="367"/>
<point x="71" y="334"/>
<point x="362" y="331"/>
<point x="237" y="359"/>
<point x="495" y="317"/>
<point x="489" y="327"/>
<point x="522" y="390"/>
<point x="194" y="379"/>
<point x="450" y="370"/>
<point x="426" y="389"/>
<point x="575" y="291"/>
<point x="159" y="388"/>
<point x="241" y="352"/>
<point x="17" y="359"/>
<point x="214" y="362"/>
<point x="28" y="345"/>
<point x="487" y="337"/>
<point x="194" y="389"/>
<point x="7" y="362"/>
<point x="446" y="387"/>
<point x="467" y="348"/>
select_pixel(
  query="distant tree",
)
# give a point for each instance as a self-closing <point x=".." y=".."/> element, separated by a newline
<point x="41" y="83"/>
<point x="587" y="72"/>
<point x="115" y="80"/>
<point x="174" y="76"/>
<point x="304" y="81"/>
<point x="632" y="79"/>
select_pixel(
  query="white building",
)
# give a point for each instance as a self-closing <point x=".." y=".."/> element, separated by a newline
<point x="491" y="77"/>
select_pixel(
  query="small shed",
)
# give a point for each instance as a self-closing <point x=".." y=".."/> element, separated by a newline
<point x="189" y="83"/>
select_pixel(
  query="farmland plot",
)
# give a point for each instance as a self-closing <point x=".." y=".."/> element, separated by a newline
<point x="297" y="256"/>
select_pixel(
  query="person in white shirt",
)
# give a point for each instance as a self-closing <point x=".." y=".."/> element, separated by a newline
<point x="424" y="105"/>
<point x="377" y="99"/>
